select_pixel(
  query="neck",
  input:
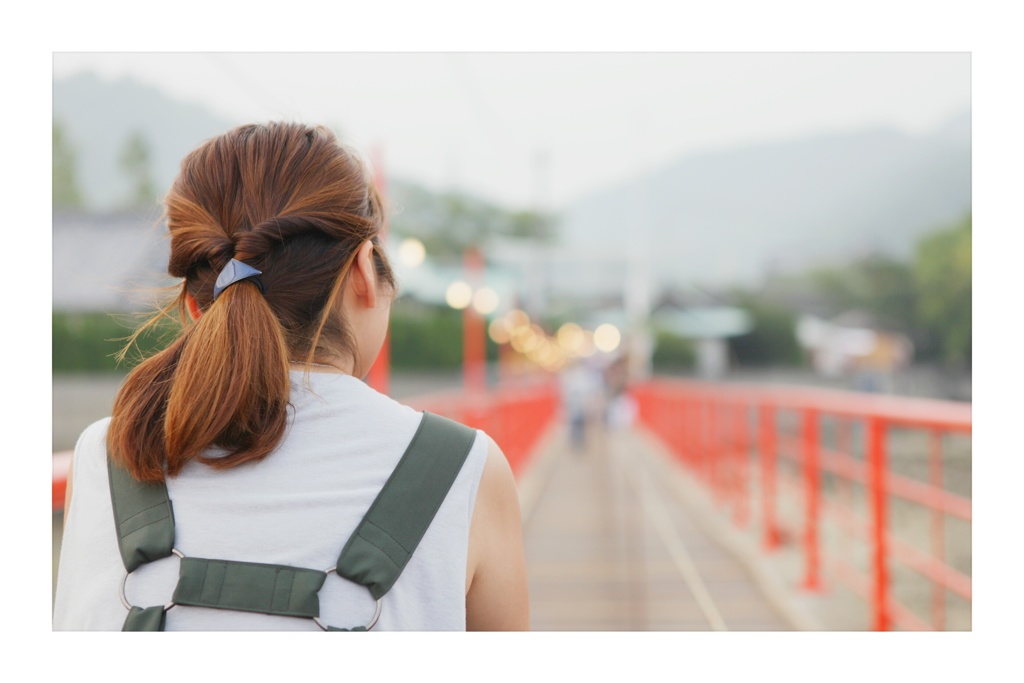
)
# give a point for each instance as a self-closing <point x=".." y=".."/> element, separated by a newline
<point x="326" y="366"/>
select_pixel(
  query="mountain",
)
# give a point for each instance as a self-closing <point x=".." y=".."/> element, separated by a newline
<point x="99" y="115"/>
<point x="736" y="214"/>
<point x="712" y="218"/>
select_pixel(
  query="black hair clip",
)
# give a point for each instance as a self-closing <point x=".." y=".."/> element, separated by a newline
<point x="236" y="271"/>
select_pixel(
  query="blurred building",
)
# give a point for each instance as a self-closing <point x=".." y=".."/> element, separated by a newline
<point x="115" y="262"/>
<point x="708" y="321"/>
<point x="855" y="345"/>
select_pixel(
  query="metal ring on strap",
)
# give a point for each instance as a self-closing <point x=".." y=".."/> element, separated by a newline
<point x="373" y="621"/>
<point x="124" y="600"/>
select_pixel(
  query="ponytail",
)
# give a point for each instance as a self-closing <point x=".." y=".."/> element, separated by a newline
<point x="223" y="383"/>
<point x="293" y="205"/>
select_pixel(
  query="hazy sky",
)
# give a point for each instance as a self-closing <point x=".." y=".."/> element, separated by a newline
<point x="524" y="128"/>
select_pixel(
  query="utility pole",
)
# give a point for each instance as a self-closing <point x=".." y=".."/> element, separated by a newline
<point x="473" y="342"/>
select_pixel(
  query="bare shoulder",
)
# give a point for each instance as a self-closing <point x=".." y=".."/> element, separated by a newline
<point x="497" y="500"/>
<point x="496" y="586"/>
<point x="497" y="478"/>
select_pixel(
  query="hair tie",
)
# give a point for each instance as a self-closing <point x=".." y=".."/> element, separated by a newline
<point x="236" y="271"/>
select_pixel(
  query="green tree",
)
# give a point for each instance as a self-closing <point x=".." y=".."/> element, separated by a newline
<point x="942" y="274"/>
<point x="672" y="353"/>
<point x="66" y="193"/>
<point x="135" y="163"/>
<point x="878" y="284"/>
<point x="91" y="341"/>
<point x="772" y="341"/>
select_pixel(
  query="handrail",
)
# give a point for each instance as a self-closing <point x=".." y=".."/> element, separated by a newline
<point x="710" y="428"/>
<point x="909" y="411"/>
<point x="514" y="416"/>
<point x="850" y="468"/>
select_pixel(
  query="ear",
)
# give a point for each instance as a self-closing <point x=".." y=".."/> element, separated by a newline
<point x="192" y="306"/>
<point x="364" y="275"/>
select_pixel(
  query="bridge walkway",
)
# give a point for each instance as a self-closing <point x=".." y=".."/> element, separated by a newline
<point x="611" y="546"/>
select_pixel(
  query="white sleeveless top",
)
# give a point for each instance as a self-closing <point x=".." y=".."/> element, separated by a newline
<point x="296" y="507"/>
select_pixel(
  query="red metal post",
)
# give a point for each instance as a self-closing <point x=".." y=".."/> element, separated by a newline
<point x="844" y="444"/>
<point x="767" y="457"/>
<point x="680" y="428"/>
<point x="504" y="361"/>
<point x="812" y="486"/>
<point x="727" y="453"/>
<point x="704" y="441"/>
<point x="742" y="461"/>
<point x="692" y="432"/>
<point x="715" y="449"/>
<point x="692" y="436"/>
<point x="473" y="343"/>
<point x="379" y="376"/>
<point x="723" y="456"/>
<point x="876" y="479"/>
<point x="938" y="530"/>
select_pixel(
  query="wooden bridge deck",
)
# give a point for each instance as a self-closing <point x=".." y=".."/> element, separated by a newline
<point x="610" y="547"/>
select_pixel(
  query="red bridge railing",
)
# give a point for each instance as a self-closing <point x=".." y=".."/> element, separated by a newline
<point x="514" y="416"/>
<point x="722" y="432"/>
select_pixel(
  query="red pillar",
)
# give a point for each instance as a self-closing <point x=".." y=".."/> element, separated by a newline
<point x="766" y="422"/>
<point x="473" y="342"/>
<point x="812" y="484"/>
<point x="938" y="529"/>
<point x="876" y="481"/>
<point x="742" y="461"/>
<point x="379" y="376"/>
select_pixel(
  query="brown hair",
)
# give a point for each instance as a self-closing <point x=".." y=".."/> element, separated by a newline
<point x="290" y="201"/>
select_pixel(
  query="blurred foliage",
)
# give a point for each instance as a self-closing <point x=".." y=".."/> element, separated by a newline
<point x="927" y="298"/>
<point x="878" y="284"/>
<point x="136" y="164"/>
<point x="672" y="353"/>
<point x="772" y="341"/>
<point x="423" y="337"/>
<point x="66" y="192"/>
<point x="942" y="274"/>
<point x="89" y="342"/>
<point x="426" y="337"/>
<point x="449" y="222"/>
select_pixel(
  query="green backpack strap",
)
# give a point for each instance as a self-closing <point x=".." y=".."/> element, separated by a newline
<point x="144" y="525"/>
<point x="374" y="556"/>
<point x="385" y="539"/>
<point x="145" y="619"/>
<point x="143" y="518"/>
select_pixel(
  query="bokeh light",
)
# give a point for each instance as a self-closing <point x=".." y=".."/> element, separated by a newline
<point x="607" y="337"/>
<point x="517" y="318"/>
<point x="570" y="338"/>
<point x="485" y="301"/>
<point x="411" y="252"/>
<point x="500" y="330"/>
<point x="459" y="294"/>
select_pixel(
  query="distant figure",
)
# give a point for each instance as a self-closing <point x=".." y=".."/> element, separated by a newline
<point x="582" y="392"/>
<point x="295" y="495"/>
<point x="622" y="412"/>
<point x="621" y="407"/>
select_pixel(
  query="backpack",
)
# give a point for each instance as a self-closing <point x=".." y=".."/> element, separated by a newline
<point x="374" y="556"/>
